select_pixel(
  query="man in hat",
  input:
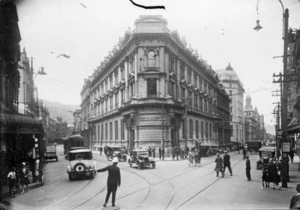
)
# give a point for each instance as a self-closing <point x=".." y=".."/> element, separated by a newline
<point x="295" y="200"/>
<point x="24" y="177"/>
<point x="226" y="162"/>
<point x="113" y="180"/>
<point x="248" y="168"/>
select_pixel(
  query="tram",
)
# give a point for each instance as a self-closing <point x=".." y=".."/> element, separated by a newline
<point x="73" y="142"/>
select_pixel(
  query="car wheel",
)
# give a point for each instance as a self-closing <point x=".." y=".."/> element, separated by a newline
<point x="153" y="165"/>
<point x="140" y="166"/>
<point x="79" y="168"/>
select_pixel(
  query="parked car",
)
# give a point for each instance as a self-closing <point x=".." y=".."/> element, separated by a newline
<point x="141" y="159"/>
<point x="265" y="153"/>
<point x="116" y="151"/>
<point x="50" y="153"/>
<point x="81" y="164"/>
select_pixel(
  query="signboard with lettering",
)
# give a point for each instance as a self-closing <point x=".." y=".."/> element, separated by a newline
<point x="151" y="118"/>
<point x="286" y="147"/>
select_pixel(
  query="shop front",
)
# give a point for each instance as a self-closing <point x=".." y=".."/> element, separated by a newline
<point x="21" y="139"/>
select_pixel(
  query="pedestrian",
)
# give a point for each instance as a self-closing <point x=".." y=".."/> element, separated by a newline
<point x="159" y="152"/>
<point x="24" y="177"/>
<point x="248" y="168"/>
<point x="11" y="179"/>
<point x="105" y="150"/>
<point x="191" y="158"/>
<point x="153" y="152"/>
<point x="273" y="174"/>
<point x="292" y="155"/>
<point x="172" y="151"/>
<point x="149" y="151"/>
<point x="219" y="165"/>
<point x="187" y="152"/>
<point x="265" y="178"/>
<point x="244" y="153"/>
<point x="113" y="180"/>
<point x="295" y="200"/>
<point x="101" y="149"/>
<point x="226" y="160"/>
<point x="177" y="152"/>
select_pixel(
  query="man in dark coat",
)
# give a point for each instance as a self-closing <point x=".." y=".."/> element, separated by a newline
<point x="226" y="162"/>
<point x="295" y="200"/>
<point x="248" y="168"/>
<point x="244" y="152"/>
<point x="113" y="180"/>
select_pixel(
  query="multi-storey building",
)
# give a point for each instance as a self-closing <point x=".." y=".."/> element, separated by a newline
<point x="235" y="89"/>
<point x="19" y="133"/>
<point x="255" y="122"/>
<point x="26" y="98"/>
<point x="152" y="90"/>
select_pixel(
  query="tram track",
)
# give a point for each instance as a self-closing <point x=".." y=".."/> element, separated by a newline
<point x="70" y="196"/>
<point x="206" y="187"/>
<point x="149" y="186"/>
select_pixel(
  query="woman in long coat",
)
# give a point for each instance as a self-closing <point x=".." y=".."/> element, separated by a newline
<point x="273" y="174"/>
<point x="219" y="165"/>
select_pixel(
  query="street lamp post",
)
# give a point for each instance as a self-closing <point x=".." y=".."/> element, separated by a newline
<point x="286" y="148"/>
<point x="40" y="72"/>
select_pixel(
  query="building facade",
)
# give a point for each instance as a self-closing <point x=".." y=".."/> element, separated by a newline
<point x="255" y="129"/>
<point x="152" y="90"/>
<point x="235" y="89"/>
<point x="20" y="134"/>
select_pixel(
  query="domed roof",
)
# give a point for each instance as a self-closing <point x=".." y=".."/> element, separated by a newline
<point x="229" y="67"/>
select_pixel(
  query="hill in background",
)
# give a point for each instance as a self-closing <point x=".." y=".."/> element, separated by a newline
<point x="58" y="109"/>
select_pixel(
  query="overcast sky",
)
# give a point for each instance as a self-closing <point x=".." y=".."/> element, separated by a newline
<point x="221" y="31"/>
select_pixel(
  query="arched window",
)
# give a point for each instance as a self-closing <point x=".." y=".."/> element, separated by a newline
<point x="151" y="58"/>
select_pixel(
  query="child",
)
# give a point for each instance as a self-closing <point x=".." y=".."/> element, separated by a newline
<point x="265" y="182"/>
<point x="11" y="177"/>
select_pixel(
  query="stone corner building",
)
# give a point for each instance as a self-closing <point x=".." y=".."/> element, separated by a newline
<point x="152" y="90"/>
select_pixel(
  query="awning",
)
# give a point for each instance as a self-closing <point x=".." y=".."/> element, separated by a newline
<point x="18" y="123"/>
<point x="6" y="118"/>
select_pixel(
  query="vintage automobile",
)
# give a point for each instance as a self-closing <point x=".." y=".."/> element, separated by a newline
<point x="141" y="159"/>
<point x="81" y="164"/>
<point x="116" y="151"/>
<point x="265" y="153"/>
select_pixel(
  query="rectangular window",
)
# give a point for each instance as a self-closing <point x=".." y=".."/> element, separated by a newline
<point x="202" y="130"/>
<point x="110" y="81"/>
<point x="122" y="130"/>
<point x="191" y="129"/>
<point x="98" y="136"/>
<point x="196" y="101"/>
<point x="190" y="99"/>
<point x="116" y="100"/>
<point x="151" y="87"/>
<point x="189" y="76"/>
<point x="206" y="130"/>
<point x="106" y="131"/>
<point x="210" y="130"/>
<point x="122" y="96"/>
<point x="195" y="80"/>
<point x="183" y="129"/>
<point x="111" y="103"/>
<point x="200" y="84"/>
<point x="182" y="70"/>
<point x="197" y="129"/>
<point x="122" y="73"/>
<point x="102" y="132"/>
<point x="182" y="93"/>
<point x="116" y="77"/>
<point x="110" y="130"/>
<point x="116" y="130"/>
